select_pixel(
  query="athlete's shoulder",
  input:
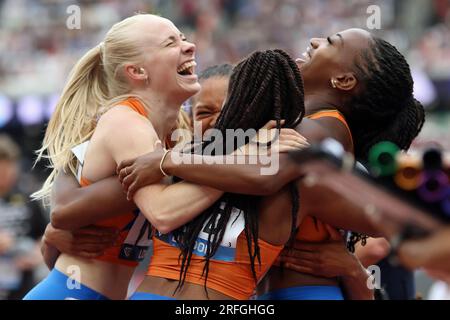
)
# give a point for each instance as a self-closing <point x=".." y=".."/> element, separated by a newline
<point x="122" y="119"/>
<point x="316" y="130"/>
<point x="337" y="129"/>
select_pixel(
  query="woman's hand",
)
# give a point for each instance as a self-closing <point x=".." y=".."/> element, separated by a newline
<point x="142" y="171"/>
<point x="329" y="260"/>
<point x="281" y="140"/>
<point x="89" y="242"/>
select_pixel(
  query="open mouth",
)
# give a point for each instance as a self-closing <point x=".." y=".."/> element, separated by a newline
<point x="187" y="68"/>
<point x="306" y="56"/>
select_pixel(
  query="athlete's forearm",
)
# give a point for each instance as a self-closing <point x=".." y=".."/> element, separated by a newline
<point x="74" y="207"/>
<point x="244" y="175"/>
<point x="323" y="203"/>
<point x="356" y="284"/>
<point x="338" y="198"/>
<point x="168" y="207"/>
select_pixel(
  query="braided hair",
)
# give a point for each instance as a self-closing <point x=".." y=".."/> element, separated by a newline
<point x="265" y="86"/>
<point x="384" y="109"/>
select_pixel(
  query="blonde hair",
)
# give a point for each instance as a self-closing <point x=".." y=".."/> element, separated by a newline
<point x="96" y="83"/>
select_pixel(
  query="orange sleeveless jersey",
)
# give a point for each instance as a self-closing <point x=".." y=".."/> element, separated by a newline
<point x="312" y="229"/>
<point x="229" y="271"/>
<point x="135" y="231"/>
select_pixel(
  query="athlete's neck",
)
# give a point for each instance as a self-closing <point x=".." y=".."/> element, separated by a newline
<point x="162" y="112"/>
<point x="319" y="101"/>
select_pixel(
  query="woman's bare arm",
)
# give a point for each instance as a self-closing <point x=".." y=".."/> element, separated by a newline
<point x="74" y="207"/>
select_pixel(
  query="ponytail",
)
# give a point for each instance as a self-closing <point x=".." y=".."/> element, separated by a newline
<point x="407" y="124"/>
<point x="74" y="119"/>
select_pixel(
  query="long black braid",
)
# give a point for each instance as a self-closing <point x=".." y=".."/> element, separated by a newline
<point x="265" y="86"/>
<point x="384" y="109"/>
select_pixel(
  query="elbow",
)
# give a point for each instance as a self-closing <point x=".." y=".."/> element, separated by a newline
<point x="262" y="185"/>
<point x="270" y="186"/>
<point x="164" y="226"/>
<point x="160" y="220"/>
<point x="163" y="229"/>
<point x="58" y="220"/>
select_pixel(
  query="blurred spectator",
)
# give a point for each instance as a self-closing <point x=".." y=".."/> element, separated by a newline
<point x="38" y="52"/>
<point x="21" y="226"/>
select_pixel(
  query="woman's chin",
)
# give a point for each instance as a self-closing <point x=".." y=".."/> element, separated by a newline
<point x="190" y="89"/>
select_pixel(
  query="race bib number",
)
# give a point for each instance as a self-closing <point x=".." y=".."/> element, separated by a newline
<point x="227" y="248"/>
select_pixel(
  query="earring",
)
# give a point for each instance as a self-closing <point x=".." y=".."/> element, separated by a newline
<point x="142" y="71"/>
<point x="333" y="83"/>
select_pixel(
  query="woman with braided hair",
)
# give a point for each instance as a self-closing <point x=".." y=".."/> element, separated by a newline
<point x="206" y="107"/>
<point x="366" y="84"/>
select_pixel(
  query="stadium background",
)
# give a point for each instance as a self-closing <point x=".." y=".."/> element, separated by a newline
<point x="37" y="50"/>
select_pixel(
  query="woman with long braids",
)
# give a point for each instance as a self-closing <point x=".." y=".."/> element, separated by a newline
<point x="358" y="90"/>
<point x="372" y="96"/>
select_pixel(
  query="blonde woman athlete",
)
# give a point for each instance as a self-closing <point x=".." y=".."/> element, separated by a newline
<point x="142" y="72"/>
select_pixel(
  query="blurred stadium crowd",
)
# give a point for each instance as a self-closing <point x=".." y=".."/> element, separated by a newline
<point x="37" y="51"/>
